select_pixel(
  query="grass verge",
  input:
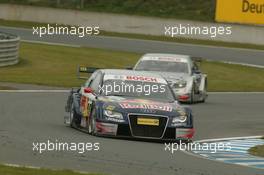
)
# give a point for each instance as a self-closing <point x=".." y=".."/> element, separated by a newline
<point x="257" y="151"/>
<point x="9" y="170"/>
<point x="202" y="10"/>
<point x="24" y="24"/>
<point x="56" y="66"/>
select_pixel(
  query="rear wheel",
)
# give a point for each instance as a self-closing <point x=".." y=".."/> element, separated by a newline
<point x="204" y="93"/>
<point x="192" y="95"/>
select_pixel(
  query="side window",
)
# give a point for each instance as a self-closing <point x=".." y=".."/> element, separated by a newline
<point x="96" y="82"/>
<point x="89" y="82"/>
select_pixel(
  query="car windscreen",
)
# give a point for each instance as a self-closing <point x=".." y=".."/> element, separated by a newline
<point x="137" y="89"/>
<point x="162" y="66"/>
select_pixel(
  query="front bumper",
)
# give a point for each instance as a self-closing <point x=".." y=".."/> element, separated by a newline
<point x="125" y="130"/>
<point x="182" y="95"/>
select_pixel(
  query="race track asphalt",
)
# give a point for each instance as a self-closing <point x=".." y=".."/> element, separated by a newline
<point x="255" y="57"/>
<point x="38" y="117"/>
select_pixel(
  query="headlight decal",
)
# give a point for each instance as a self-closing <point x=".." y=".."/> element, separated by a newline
<point x="113" y="116"/>
<point x="180" y="84"/>
<point x="180" y="119"/>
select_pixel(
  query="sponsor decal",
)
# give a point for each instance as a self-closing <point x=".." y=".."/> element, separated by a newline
<point x="146" y="106"/>
<point x="140" y="101"/>
<point x="148" y="121"/>
<point x="240" y="11"/>
<point x="141" y="78"/>
<point x="115" y="120"/>
<point x="135" y="78"/>
<point x="166" y="58"/>
<point x="85" y="106"/>
<point x="251" y="7"/>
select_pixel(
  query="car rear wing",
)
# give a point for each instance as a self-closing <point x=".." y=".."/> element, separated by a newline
<point x="81" y="70"/>
<point x="197" y="59"/>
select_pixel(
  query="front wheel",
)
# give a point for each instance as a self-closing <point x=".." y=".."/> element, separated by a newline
<point x="75" y="119"/>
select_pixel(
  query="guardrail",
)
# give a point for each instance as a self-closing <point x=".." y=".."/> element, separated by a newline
<point x="9" y="49"/>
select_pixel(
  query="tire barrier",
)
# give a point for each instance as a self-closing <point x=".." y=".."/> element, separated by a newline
<point x="9" y="49"/>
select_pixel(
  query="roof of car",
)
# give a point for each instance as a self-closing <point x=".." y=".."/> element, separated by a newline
<point x="130" y="72"/>
<point x="121" y="74"/>
<point x="167" y="54"/>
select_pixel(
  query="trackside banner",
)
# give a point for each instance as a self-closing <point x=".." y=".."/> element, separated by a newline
<point x="240" y="11"/>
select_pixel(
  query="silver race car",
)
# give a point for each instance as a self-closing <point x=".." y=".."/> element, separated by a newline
<point x="182" y="73"/>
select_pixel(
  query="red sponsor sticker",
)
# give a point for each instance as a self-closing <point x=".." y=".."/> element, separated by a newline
<point x="141" y="78"/>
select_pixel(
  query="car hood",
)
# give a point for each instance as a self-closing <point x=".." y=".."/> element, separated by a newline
<point x="137" y="105"/>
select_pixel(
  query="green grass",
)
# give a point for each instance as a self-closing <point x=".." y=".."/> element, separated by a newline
<point x="229" y="77"/>
<point x="257" y="150"/>
<point x="202" y="10"/>
<point x="25" y="24"/>
<point x="56" y="66"/>
<point x="9" y="170"/>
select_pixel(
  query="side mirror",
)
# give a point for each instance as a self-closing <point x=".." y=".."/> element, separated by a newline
<point x="88" y="90"/>
<point x="129" y="68"/>
<point x="197" y="59"/>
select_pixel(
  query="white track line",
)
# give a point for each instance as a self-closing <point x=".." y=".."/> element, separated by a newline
<point x="216" y="93"/>
<point x="244" y="64"/>
<point x="20" y="166"/>
<point x="229" y="138"/>
<point x="250" y="163"/>
<point x="238" y="158"/>
<point x="232" y="139"/>
<point x="34" y="91"/>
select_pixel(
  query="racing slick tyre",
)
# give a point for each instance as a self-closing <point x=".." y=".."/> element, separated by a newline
<point x="205" y="92"/>
<point x="91" y="124"/>
<point x="75" y="119"/>
<point x="192" y="95"/>
<point x="203" y="100"/>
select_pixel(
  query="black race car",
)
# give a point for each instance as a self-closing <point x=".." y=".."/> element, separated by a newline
<point x="126" y="103"/>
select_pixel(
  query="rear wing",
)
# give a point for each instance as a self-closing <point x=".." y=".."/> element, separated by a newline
<point x="197" y="59"/>
<point x="81" y="70"/>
